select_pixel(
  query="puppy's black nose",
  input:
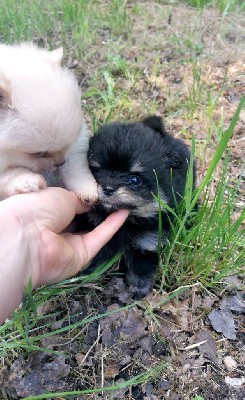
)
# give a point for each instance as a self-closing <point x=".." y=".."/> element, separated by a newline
<point x="108" y="190"/>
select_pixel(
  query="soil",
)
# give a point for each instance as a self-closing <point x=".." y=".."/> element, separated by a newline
<point x="196" y="355"/>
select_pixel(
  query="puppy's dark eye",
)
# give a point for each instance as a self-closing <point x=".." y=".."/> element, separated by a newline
<point x="41" y="154"/>
<point x="135" y="180"/>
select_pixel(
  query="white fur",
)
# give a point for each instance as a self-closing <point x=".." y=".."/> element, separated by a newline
<point x="40" y="111"/>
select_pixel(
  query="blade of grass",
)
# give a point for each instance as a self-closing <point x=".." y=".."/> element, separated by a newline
<point x="214" y="161"/>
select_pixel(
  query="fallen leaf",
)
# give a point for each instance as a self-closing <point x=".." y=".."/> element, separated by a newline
<point x="208" y="349"/>
<point x="126" y="325"/>
<point x="36" y="376"/>
<point x="232" y="303"/>
<point x="146" y="343"/>
<point x="111" y="370"/>
<point x="163" y="386"/>
<point x="223" y="322"/>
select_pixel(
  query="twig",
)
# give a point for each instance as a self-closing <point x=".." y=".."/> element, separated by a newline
<point x="192" y="346"/>
<point x="93" y="345"/>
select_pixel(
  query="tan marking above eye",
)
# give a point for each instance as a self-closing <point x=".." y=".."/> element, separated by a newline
<point x="137" y="167"/>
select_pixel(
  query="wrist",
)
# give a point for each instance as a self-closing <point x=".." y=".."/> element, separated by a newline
<point x="20" y="248"/>
<point x="16" y="262"/>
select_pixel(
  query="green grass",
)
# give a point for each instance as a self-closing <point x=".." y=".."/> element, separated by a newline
<point x="222" y="5"/>
<point x="75" y="23"/>
<point x="213" y="248"/>
<point x="72" y="24"/>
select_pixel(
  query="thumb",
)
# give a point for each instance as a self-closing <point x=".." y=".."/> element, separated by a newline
<point x="88" y="245"/>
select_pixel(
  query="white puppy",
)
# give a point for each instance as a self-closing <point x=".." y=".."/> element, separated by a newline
<point x="41" y="124"/>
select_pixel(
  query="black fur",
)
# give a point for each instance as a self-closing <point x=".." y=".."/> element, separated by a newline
<point x="123" y="158"/>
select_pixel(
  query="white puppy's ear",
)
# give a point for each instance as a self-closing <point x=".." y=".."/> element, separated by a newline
<point x="55" y="56"/>
<point x="5" y="93"/>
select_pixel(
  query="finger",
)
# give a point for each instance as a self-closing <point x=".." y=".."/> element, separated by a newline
<point x="93" y="241"/>
<point x="59" y="262"/>
<point x="53" y="208"/>
<point x="59" y="208"/>
<point x="65" y="196"/>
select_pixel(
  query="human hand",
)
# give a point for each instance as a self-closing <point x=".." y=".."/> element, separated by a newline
<point x="56" y="256"/>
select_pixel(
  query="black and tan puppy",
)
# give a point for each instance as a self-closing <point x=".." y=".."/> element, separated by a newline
<point x="125" y="160"/>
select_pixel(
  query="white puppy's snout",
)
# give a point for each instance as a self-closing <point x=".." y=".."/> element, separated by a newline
<point x="59" y="164"/>
<point x="59" y="158"/>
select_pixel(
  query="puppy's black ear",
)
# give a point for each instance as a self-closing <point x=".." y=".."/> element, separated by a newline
<point x="156" y="124"/>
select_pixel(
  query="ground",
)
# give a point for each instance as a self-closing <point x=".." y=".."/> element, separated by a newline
<point x="188" y="66"/>
<point x="192" y="358"/>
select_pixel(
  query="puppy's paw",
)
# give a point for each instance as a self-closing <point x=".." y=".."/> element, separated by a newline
<point x="80" y="181"/>
<point x="89" y="198"/>
<point x="88" y="194"/>
<point x="27" y="184"/>
<point x="142" y="284"/>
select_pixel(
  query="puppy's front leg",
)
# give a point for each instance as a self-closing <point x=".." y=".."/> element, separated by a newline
<point x="20" y="180"/>
<point x="141" y="268"/>
<point x="76" y="174"/>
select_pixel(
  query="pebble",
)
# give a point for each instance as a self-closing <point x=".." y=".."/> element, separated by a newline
<point x="230" y="363"/>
